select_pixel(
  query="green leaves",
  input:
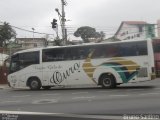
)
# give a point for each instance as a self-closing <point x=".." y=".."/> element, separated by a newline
<point x="6" y="34"/>
<point x="87" y="33"/>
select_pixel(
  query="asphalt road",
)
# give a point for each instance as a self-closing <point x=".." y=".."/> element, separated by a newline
<point x="137" y="98"/>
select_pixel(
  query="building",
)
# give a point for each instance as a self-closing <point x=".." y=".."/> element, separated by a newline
<point x="3" y="68"/>
<point x="158" y="25"/>
<point x="135" y="30"/>
<point x="156" y="46"/>
<point x="27" y="43"/>
<point x="3" y="57"/>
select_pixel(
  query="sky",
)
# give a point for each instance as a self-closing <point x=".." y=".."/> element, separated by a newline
<point x="104" y="15"/>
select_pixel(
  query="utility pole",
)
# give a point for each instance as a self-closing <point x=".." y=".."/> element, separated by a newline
<point x="62" y="22"/>
<point x="33" y="33"/>
<point x="64" y="30"/>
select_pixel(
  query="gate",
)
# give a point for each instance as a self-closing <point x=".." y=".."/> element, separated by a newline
<point x="3" y="74"/>
<point x="157" y="67"/>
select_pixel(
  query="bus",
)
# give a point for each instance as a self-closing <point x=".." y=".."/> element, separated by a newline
<point x="98" y="64"/>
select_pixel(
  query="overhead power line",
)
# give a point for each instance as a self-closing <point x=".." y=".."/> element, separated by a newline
<point x="72" y="29"/>
<point x="31" y="31"/>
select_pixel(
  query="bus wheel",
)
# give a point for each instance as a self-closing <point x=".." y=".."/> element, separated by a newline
<point x="46" y="87"/>
<point x="34" y="84"/>
<point x="107" y="81"/>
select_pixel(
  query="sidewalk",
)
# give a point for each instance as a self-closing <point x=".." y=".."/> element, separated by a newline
<point x="4" y="86"/>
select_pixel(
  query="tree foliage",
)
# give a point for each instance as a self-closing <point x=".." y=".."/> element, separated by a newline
<point x="6" y="34"/>
<point x="87" y="33"/>
<point x="112" y="39"/>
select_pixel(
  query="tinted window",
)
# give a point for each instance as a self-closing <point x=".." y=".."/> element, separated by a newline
<point x="28" y="58"/>
<point x="23" y="60"/>
<point x="62" y="54"/>
<point x="120" y="50"/>
<point x="76" y="53"/>
<point x="53" y="55"/>
<point x="132" y="49"/>
<point x="14" y="66"/>
<point x="142" y="48"/>
<point x="99" y="51"/>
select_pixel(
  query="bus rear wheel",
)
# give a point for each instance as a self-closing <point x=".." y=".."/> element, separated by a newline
<point x="107" y="81"/>
<point x="34" y="84"/>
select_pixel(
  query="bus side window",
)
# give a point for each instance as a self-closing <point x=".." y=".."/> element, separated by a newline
<point x="44" y="56"/>
<point x="29" y="58"/>
<point x="112" y="51"/>
<point x="53" y="55"/>
<point x="83" y="52"/>
<point x="142" y="49"/>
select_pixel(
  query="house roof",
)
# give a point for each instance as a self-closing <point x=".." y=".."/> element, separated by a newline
<point x="130" y="23"/>
<point x="135" y="22"/>
<point x="31" y="39"/>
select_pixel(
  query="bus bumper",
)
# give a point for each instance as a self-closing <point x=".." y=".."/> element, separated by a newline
<point x="153" y="76"/>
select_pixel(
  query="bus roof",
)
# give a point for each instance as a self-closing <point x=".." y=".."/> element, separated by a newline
<point x="85" y="44"/>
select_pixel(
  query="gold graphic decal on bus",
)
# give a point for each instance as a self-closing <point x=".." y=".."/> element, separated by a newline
<point x="128" y="64"/>
<point x="88" y="67"/>
<point x="127" y="69"/>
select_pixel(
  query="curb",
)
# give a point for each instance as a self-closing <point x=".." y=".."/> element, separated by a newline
<point x="5" y="86"/>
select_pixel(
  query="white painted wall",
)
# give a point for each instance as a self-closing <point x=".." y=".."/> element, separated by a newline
<point x="130" y="32"/>
<point x="3" y="57"/>
<point x="158" y="24"/>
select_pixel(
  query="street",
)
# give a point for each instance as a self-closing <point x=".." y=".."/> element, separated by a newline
<point x="136" y="98"/>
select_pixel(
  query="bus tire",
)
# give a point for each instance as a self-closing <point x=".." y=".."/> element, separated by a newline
<point x="46" y="87"/>
<point x="107" y="81"/>
<point x="34" y="83"/>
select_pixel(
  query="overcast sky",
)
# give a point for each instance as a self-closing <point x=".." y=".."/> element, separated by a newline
<point x="104" y="15"/>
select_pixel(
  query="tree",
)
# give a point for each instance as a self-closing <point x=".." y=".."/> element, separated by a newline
<point x="85" y="33"/>
<point x="112" y="39"/>
<point x="58" y="41"/>
<point x="6" y="34"/>
<point x="100" y="36"/>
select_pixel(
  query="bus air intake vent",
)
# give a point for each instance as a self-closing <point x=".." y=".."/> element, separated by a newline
<point x="142" y="72"/>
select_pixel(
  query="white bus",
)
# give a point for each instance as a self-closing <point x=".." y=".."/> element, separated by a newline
<point x="101" y="64"/>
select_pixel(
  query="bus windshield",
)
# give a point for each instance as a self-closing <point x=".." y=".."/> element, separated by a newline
<point x="14" y="65"/>
<point x="22" y="60"/>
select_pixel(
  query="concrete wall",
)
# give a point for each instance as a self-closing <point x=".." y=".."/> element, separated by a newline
<point x="131" y="32"/>
<point x="158" y="24"/>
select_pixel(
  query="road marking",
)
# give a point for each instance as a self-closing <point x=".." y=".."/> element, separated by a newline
<point x="105" y="91"/>
<point x="156" y="88"/>
<point x="22" y="96"/>
<point x="137" y="89"/>
<point x="149" y="94"/>
<point x="11" y="101"/>
<point x="79" y="93"/>
<point x="63" y="115"/>
<point x="118" y="95"/>
<point x="26" y="113"/>
<point x="83" y="97"/>
<point x="45" y="101"/>
<point x="51" y="94"/>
